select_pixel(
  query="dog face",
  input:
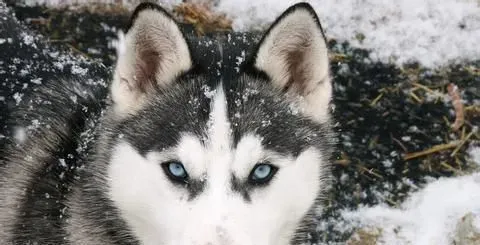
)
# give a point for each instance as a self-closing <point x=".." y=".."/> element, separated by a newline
<point x="226" y="159"/>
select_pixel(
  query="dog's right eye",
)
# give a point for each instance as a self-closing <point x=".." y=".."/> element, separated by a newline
<point x="175" y="171"/>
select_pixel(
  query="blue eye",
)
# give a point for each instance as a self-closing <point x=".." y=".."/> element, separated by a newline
<point x="175" y="171"/>
<point x="262" y="171"/>
<point x="262" y="174"/>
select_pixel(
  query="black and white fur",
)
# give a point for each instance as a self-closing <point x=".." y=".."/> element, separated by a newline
<point x="218" y="106"/>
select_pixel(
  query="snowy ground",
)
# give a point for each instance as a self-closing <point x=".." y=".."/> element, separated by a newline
<point x="429" y="216"/>
<point x="423" y="31"/>
<point x="396" y="31"/>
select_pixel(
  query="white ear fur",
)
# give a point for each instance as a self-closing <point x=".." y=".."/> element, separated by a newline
<point x="293" y="54"/>
<point x="152" y="53"/>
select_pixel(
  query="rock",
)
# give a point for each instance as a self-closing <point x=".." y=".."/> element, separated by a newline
<point x="466" y="233"/>
<point x="365" y="236"/>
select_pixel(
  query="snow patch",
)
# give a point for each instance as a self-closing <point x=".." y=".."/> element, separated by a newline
<point x="77" y="70"/>
<point x="430" y="32"/>
<point x="20" y="134"/>
<point x="426" y="31"/>
<point x="126" y="3"/>
<point x="18" y="97"/>
<point x="36" y="80"/>
<point x="429" y="216"/>
<point x="474" y="153"/>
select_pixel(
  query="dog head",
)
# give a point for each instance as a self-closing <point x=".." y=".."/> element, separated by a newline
<point x="235" y="156"/>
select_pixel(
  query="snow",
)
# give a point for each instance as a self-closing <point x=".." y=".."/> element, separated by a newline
<point x="36" y="80"/>
<point x="428" y="216"/>
<point x="128" y="3"/>
<point x="474" y="153"/>
<point x="476" y="222"/>
<point x="18" y="97"/>
<point x="399" y="31"/>
<point x="405" y="31"/>
<point x="20" y="134"/>
<point x="79" y="70"/>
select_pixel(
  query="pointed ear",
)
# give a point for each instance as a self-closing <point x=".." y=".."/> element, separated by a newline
<point x="293" y="53"/>
<point x="152" y="53"/>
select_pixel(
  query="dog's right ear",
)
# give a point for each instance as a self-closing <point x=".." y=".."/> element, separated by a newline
<point x="152" y="54"/>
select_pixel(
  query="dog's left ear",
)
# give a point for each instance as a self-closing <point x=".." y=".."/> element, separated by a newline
<point x="293" y="53"/>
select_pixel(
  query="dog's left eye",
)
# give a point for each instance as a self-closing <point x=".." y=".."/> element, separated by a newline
<point x="175" y="171"/>
<point x="262" y="173"/>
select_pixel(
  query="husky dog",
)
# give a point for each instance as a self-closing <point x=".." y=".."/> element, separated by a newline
<point x="218" y="141"/>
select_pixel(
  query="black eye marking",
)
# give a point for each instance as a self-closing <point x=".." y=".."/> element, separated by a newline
<point x="262" y="174"/>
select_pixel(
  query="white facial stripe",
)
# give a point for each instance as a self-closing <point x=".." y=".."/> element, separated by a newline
<point x="219" y="149"/>
<point x="219" y="126"/>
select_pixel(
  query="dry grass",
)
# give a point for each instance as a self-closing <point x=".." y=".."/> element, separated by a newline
<point x="201" y="16"/>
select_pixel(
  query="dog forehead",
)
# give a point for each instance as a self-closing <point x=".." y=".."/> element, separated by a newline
<point x="222" y="55"/>
<point x="253" y="106"/>
<point x="248" y="107"/>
